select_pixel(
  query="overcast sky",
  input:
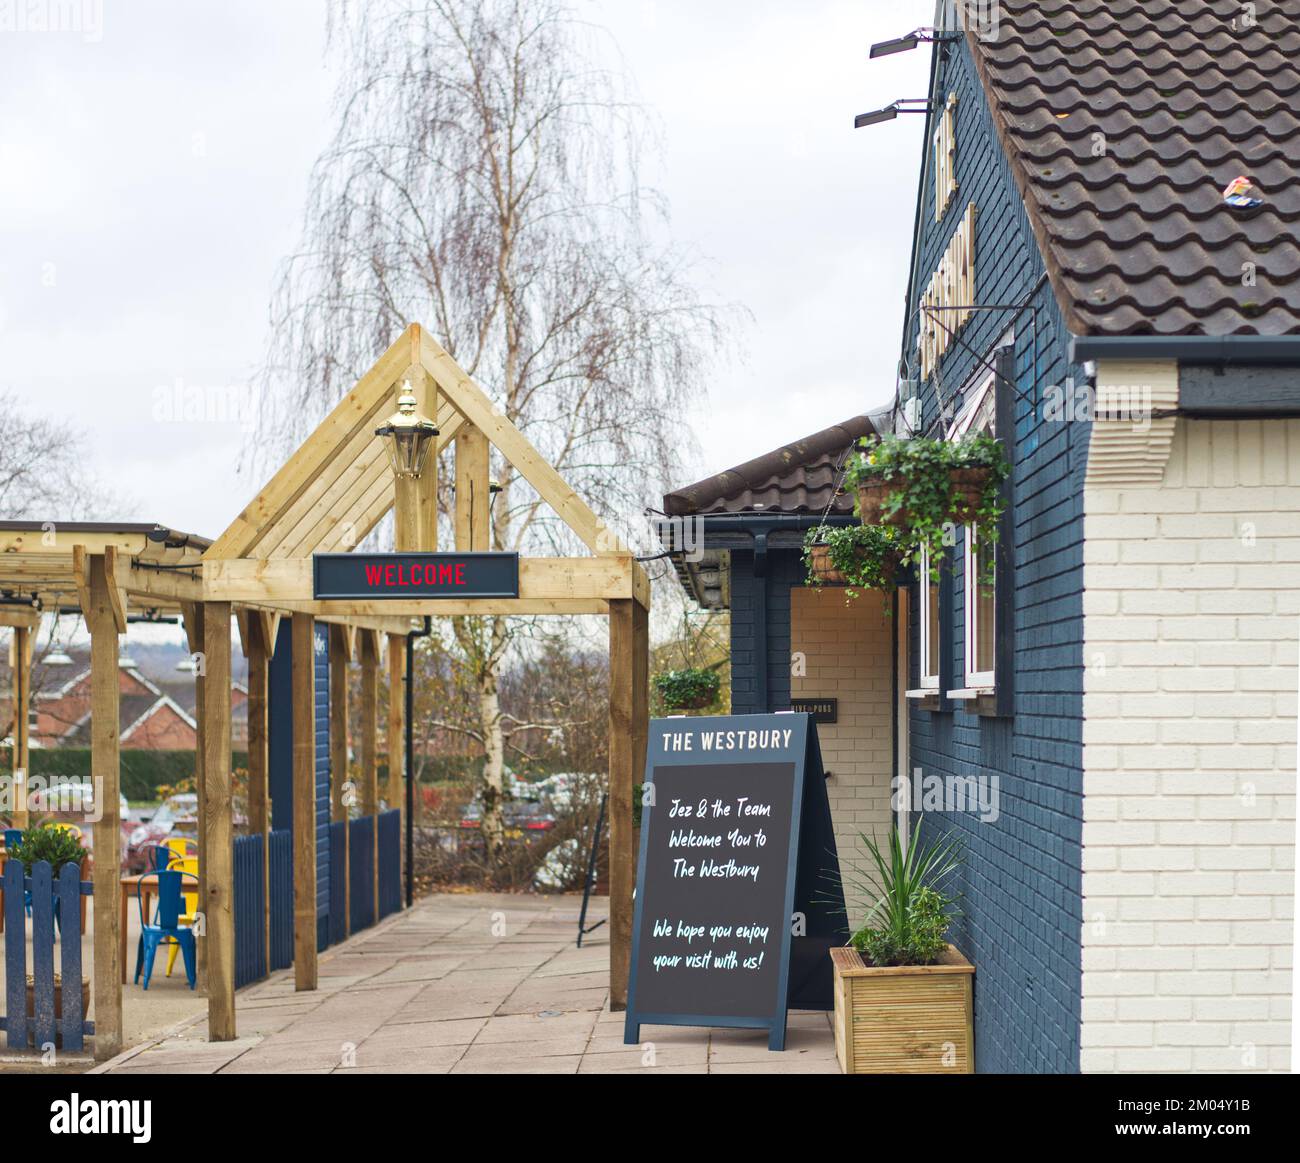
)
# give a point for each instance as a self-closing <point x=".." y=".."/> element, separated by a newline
<point x="154" y="166"/>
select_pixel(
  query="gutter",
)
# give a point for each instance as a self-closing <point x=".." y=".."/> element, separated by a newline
<point x="1189" y="349"/>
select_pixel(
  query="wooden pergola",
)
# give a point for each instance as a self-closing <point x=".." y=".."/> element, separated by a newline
<point x="326" y="498"/>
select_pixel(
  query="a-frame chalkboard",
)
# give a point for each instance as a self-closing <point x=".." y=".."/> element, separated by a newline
<point x="738" y="883"/>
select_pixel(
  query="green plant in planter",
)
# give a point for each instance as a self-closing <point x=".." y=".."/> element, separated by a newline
<point x="908" y="924"/>
<point x="924" y="501"/>
<point x="55" y="845"/>
<point x="866" y="556"/>
<point x="689" y="689"/>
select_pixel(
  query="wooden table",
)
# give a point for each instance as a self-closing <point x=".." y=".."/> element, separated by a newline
<point x="147" y="883"/>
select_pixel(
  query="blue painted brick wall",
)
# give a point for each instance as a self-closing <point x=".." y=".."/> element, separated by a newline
<point x="784" y="569"/>
<point x="1021" y="880"/>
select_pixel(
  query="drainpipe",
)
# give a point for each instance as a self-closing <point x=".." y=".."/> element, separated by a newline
<point x="410" y="755"/>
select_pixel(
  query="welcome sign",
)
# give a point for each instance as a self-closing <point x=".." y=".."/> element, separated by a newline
<point x="738" y="886"/>
<point x="415" y="575"/>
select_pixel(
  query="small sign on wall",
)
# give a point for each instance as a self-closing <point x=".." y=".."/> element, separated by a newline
<point x="821" y="710"/>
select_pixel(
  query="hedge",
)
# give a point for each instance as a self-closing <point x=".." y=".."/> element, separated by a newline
<point x="143" y="772"/>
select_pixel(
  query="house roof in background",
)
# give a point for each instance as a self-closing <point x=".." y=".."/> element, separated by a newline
<point x="799" y="477"/>
<point x="1139" y="240"/>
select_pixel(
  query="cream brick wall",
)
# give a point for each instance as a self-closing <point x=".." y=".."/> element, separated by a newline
<point x="1191" y="621"/>
<point x="844" y="649"/>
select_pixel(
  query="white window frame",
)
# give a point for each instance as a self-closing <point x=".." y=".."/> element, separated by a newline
<point x="977" y="681"/>
<point x="929" y="682"/>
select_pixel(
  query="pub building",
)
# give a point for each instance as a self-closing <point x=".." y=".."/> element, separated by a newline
<point x="1124" y="700"/>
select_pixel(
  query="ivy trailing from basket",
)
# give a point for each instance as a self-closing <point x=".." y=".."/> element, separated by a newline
<point x="928" y="487"/>
<point x="688" y="690"/>
<point x="861" y="557"/>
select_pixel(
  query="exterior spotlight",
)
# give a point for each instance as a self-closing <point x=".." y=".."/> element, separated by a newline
<point x="889" y="112"/>
<point x="408" y="435"/>
<point x="887" y="48"/>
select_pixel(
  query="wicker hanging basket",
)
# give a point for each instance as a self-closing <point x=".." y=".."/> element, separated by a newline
<point x="966" y="487"/>
<point x="820" y="567"/>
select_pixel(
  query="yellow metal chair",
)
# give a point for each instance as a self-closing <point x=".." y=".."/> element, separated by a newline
<point x="72" y="828"/>
<point x="190" y="865"/>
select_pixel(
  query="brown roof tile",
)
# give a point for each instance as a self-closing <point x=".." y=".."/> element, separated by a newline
<point x="1139" y="241"/>
<point x="799" y="477"/>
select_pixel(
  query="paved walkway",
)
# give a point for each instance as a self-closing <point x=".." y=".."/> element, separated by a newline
<point x="467" y="984"/>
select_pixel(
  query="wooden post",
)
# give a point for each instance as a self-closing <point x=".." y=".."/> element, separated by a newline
<point x="396" y="716"/>
<point x="628" y="731"/>
<point x="340" y="655"/>
<point x="105" y="773"/>
<point x="473" y="532"/>
<point x="218" y="833"/>
<point x="21" y="662"/>
<point x="426" y="524"/>
<point x="194" y="619"/>
<point x="369" y="646"/>
<point x="304" y="801"/>
<point x="258" y="650"/>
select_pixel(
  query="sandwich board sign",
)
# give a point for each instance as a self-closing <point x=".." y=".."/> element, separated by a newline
<point x="738" y="884"/>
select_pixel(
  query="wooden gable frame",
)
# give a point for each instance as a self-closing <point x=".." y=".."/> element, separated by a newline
<point x="333" y="491"/>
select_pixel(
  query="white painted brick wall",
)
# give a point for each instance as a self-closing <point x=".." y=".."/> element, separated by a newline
<point x="846" y="655"/>
<point x="1192" y="615"/>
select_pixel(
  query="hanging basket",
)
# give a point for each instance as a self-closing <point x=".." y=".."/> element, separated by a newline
<point x="820" y="567"/>
<point x="871" y="504"/>
<point x="966" y="490"/>
<point x="968" y="485"/>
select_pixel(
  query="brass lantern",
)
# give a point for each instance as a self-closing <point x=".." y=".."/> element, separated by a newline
<point x="408" y="435"/>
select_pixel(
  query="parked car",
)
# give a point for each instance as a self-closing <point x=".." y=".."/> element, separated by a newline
<point x="72" y="801"/>
<point x="178" y="815"/>
<point x="524" y="822"/>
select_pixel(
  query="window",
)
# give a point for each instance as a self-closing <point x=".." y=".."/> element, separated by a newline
<point x="981" y="627"/>
<point x="929" y="618"/>
<point x="945" y="152"/>
<point x="979" y="613"/>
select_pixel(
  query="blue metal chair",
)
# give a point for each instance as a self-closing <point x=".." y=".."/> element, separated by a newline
<point x="157" y="857"/>
<point x="13" y="837"/>
<point x="166" y="926"/>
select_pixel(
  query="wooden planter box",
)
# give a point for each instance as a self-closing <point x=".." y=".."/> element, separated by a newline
<point x="905" y="1019"/>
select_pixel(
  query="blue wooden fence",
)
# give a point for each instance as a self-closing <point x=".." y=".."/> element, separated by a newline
<point x="281" y="861"/>
<point x="390" y="862"/>
<point x="361" y="862"/>
<point x="46" y="891"/>
<point x="250" y="914"/>
<point x="338" y="880"/>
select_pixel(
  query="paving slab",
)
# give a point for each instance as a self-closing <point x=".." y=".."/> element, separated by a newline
<point x="466" y="984"/>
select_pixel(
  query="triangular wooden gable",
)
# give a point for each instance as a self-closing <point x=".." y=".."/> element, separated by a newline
<point x="338" y="485"/>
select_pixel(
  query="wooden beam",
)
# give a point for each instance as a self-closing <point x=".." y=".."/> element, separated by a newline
<point x="20" y="660"/>
<point x="340" y="653"/>
<point x="359" y="408"/>
<point x="289" y="579"/>
<point x="471" y="401"/>
<point x="218" y="834"/>
<point x="473" y="491"/>
<point x="114" y="571"/>
<point x="105" y="772"/>
<point x="369" y="790"/>
<point x="303" y="682"/>
<point x="396" y="718"/>
<point x="194" y="618"/>
<point x="81" y="578"/>
<point x="628" y="731"/>
<point x="258" y="647"/>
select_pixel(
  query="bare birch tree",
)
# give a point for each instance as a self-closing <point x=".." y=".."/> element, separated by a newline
<point x="483" y="180"/>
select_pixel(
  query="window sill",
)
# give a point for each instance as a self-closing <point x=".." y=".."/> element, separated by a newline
<point x="976" y="700"/>
<point x="926" y="698"/>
